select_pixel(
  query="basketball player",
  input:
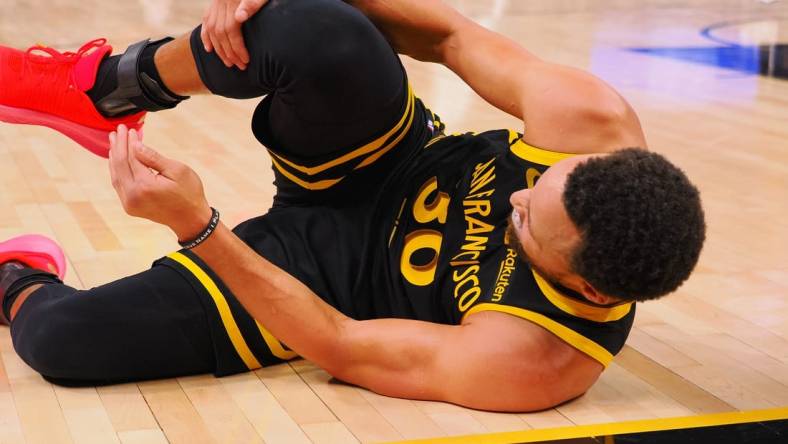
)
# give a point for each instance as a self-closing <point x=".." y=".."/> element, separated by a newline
<point x="496" y="270"/>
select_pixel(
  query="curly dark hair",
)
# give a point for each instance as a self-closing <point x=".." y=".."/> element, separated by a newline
<point x="641" y="224"/>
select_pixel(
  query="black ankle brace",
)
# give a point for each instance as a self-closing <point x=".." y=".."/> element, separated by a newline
<point x="15" y="277"/>
<point x="137" y="88"/>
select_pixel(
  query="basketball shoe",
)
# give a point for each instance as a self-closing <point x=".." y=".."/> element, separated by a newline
<point x="42" y="86"/>
<point x="37" y="259"/>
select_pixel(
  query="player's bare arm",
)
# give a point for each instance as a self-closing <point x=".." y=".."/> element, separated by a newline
<point x="564" y="109"/>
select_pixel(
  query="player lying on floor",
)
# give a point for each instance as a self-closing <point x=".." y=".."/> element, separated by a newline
<point x="496" y="270"/>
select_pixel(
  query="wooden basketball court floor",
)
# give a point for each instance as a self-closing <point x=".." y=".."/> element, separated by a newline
<point x="720" y="344"/>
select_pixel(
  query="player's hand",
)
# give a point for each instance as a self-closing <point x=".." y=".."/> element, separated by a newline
<point x="154" y="187"/>
<point x="221" y="29"/>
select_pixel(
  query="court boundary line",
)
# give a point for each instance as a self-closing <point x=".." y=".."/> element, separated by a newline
<point x="616" y="428"/>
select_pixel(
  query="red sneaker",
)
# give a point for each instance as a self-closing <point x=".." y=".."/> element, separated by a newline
<point x="35" y="251"/>
<point x="49" y="90"/>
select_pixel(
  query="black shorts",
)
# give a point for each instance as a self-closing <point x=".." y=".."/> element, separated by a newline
<point x="339" y="120"/>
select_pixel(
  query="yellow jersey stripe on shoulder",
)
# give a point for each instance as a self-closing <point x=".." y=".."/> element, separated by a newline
<point x="514" y="136"/>
<point x="225" y="314"/>
<point x="578" y="308"/>
<point x="406" y="119"/>
<point x="537" y="155"/>
<point x="568" y="335"/>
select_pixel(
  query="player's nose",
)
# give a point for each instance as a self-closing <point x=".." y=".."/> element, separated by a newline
<point x="519" y="198"/>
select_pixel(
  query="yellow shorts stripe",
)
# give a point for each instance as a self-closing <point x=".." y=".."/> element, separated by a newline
<point x="315" y="186"/>
<point x="568" y="335"/>
<point x="578" y="308"/>
<point x="374" y="156"/>
<point x="225" y="314"/>
<point x="406" y="120"/>
<point x="276" y="347"/>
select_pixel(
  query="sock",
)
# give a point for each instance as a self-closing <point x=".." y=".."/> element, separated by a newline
<point x="6" y="269"/>
<point x="106" y="82"/>
<point x="107" y="79"/>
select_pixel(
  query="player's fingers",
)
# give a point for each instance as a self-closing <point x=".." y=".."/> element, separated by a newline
<point x="236" y="42"/>
<point x="206" y="42"/>
<point x="166" y="167"/>
<point x="213" y="23"/>
<point x="119" y="158"/>
<point x="113" y="137"/>
<point x="229" y="25"/>
<point x="218" y="37"/>
<point x="208" y="27"/>
<point x="248" y="8"/>
<point x="138" y="170"/>
<point x="224" y="37"/>
<point x="122" y="153"/>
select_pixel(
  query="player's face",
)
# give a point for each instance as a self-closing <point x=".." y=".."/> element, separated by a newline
<point x="541" y="226"/>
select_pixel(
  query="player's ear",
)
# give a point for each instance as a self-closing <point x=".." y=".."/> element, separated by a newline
<point x="595" y="296"/>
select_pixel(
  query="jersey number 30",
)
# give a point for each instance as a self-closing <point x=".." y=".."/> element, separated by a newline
<point x="425" y="210"/>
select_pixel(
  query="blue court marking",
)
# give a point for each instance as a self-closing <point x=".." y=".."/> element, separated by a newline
<point x="767" y="60"/>
<point x="708" y="31"/>
<point x="746" y="59"/>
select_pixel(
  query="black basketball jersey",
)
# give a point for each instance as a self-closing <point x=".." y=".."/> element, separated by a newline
<point x="447" y="253"/>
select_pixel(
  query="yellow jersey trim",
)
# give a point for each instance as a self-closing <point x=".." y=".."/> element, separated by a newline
<point x="568" y="335"/>
<point x="578" y="308"/>
<point x="616" y="428"/>
<point x="514" y="136"/>
<point x="373" y="146"/>
<point x="276" y="347"/>
<point x="225" y="314"/>
<point x="537" y="155"/>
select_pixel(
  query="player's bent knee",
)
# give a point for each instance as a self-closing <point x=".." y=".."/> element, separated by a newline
<point x="311" y="34"/>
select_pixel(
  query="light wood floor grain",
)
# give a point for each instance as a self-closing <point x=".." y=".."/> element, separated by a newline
<point x="719" y="344"/>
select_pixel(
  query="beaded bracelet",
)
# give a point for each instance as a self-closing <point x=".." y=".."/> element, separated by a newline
<point x="206" y="233"/>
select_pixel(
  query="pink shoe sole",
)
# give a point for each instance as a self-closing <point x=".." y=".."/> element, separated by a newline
<point x="35" y="251"/>
<point x="94" y="140"/>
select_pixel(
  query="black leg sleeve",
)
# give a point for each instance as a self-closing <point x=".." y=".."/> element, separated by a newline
<point x="147" y="326"/>
<point x="333" y="80"/>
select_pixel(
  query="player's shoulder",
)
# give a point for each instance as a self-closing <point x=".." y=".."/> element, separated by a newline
<point x="596" y="330"/>
<point x="522" y="340"/>
<point x="591" y="117"/>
